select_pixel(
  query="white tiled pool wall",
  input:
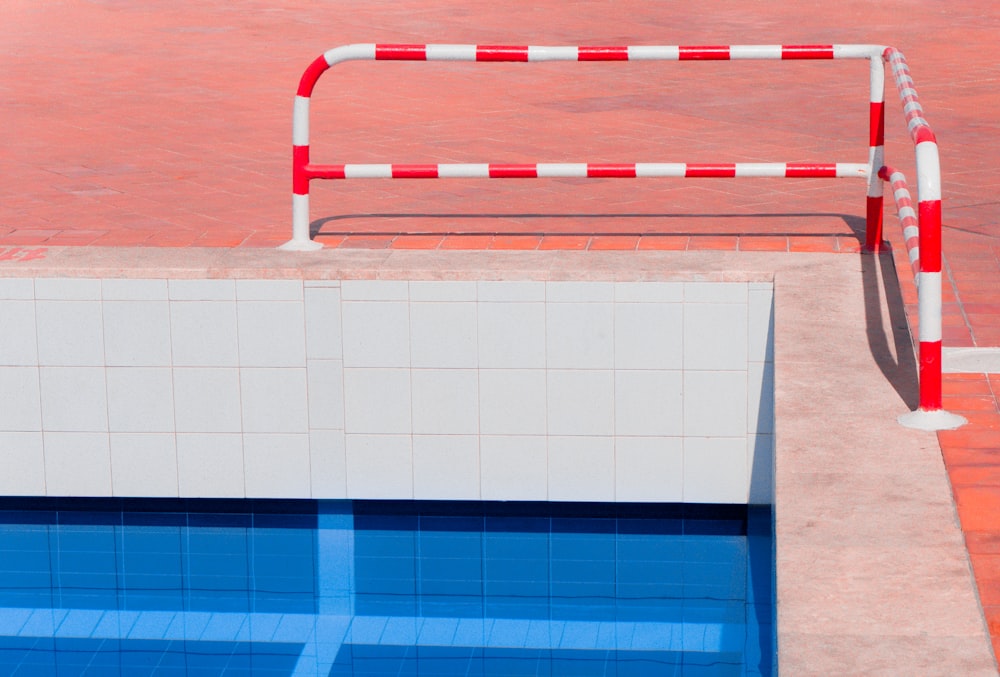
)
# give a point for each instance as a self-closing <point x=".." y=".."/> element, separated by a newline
<point x="492" y="390"/>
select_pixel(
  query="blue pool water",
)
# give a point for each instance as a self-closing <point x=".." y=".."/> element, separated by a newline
<point x="373" y="588"/>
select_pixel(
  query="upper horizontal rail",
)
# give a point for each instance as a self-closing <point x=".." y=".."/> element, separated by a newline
<point x="526" y="53"/>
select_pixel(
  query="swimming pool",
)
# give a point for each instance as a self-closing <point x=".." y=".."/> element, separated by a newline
<point x="179" y="587"/>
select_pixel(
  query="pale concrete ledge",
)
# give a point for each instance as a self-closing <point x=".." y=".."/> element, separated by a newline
<point x="873" y="577"/>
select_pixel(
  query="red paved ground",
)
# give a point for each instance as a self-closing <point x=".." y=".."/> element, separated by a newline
<point x="167" y="123"/>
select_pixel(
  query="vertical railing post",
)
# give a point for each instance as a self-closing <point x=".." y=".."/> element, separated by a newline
<point x="876" y="154"/>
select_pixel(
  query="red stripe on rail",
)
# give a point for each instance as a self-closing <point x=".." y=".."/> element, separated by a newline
<point x="598" y="171"/>
<point x="929" y="212"/>
<point x="311" y="75"/>
<point x="876" y="123"/>
<point x="400" y="52"/>
<point x="930" y="375"/>
<point x="327" y="171"/>
<point x="807" y="51"/>
<point x="810" y="170"/>
<point x="501" y="53"/>
<point x="602" y="53"/>
<point x="704" y="53"/>
<point x="706" y="170"/>
<point x="513" y="172"/>
<point x="414" y="171"/>
<point x="300" y="177"/>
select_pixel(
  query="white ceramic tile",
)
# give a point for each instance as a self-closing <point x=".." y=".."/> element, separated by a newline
<point x="649" y="403"/>
<point x="140" y="399"/>
<point x="68" y="288"/>
<point x="760" y="397"/>
<point x="715" y="336"/>
<point x="581" y="469"/>
<point x="649" y="335"/>
<point x="210" y="465"/>
<point x="326" y="394"/>
<point x="17" y="288"/>
<point x="761" y="325"/>
<point x="20" y="400"/>
<point x="579" y="292"/>
<point x="137" y="333"/>
<point x="277" y="465"/>
<point x="322" y="310"/>
<point x="715" y="470"/>
<point x="375" y="290"/>
<point x="202" y="290"/>
<point x="446" y="467"/>
<point x="715" y="292"/>
<point x="123" y="289"/>
<point x="203" y="333"/>
<point x="580" y="402"/>
<point x="513" y="468"/>
<point x="144" y="464"/>
<point x="379" y="466"/>
<point x="649" y="469"/>
<point x="760" y="462"/>
<point x="579" y="335"/>
<point x="268" y="290"/>
<point x="376" y="334"/>
<point x="74" y="399"/>
<point x="443" y="335"/>
<point x="715" y="403"/>
<point x="18" y="343"/>
<point x="437" y="290"/>
<point x="328" y="464"/>
<point x="271" y="334"/>
<point x="512" y="401"/>
<point x="511" y="290"/>
<point x="377" y="401"/>
<point x="77" y="464"/>
<point x="207" y="400"/>
<point x="274" y="400"/>
<point x="445" y="401"/>
<point x="511" y="335"/>
<point x="321" y="284"/>
<point x="70" y="333"/>
<point x="649" y="292"/>
<point x="23" y="464"/>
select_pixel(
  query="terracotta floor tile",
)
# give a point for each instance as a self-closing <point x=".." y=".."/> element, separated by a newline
<point x="366" y="242"/>
<point x="978" y="507"/>
<point x="663" y="242"/>
<point x="564" y="242"/>
<point x="466" y="242"/>
<point x="987" y="570"/>
<point x="713" y="243"/>
<point x="417" y="241"/>
<point x="526" y="242"/>
<point x="983" y="542"/>
<point x="614" y="242"/>
<point x="764" y="244"/>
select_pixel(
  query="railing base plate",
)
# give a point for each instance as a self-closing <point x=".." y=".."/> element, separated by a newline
<point x="931" y="420"/>
<point x="301" y="246"/>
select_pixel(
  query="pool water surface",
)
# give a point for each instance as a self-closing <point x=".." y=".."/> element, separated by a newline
<point x="216" y="587"/>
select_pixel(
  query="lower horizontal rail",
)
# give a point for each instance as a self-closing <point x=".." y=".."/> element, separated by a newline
<point x="584" y="170"/>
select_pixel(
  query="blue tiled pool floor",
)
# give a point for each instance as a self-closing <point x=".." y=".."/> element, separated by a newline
<point x="340" y="588"/>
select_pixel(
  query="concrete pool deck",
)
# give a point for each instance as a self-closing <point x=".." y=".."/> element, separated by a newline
<point x="167" y="125"/>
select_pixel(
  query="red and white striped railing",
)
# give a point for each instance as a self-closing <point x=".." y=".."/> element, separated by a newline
<point x="304" y="171"/>
<point x="922" y="234"/>
<point x="928" y="173"/>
